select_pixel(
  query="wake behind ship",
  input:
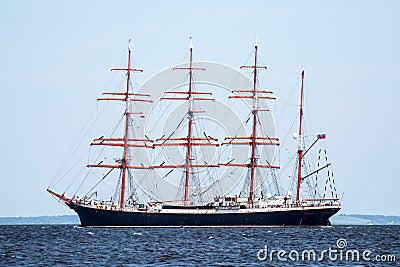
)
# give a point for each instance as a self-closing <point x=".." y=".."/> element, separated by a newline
<point x="205" y="194"/>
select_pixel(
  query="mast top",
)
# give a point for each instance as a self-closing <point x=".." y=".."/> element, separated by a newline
<point x="191" y="42"/>
<point x="129" y="44"/>
<point x="256" y="41"/>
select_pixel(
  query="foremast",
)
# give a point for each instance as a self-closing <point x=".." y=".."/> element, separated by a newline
<point x="189" y="141"/>
<point x="126" y="142"/>
<point x="254" y="140"/>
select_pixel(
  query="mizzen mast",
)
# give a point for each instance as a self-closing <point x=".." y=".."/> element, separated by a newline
<point x="300" y="141"/>
<point x="253" y="140"/>
<point x="126" y="142"/>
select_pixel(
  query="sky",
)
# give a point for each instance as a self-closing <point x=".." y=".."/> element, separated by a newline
<point x="56" y="56"/>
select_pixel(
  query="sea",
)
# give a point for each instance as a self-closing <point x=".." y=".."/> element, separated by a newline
<point x="72" y="245"/>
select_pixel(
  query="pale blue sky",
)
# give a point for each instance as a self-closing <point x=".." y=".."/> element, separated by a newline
<point x="56" y="55"/>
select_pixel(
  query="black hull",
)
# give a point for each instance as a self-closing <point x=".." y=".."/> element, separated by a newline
<point x="99" y="217"/>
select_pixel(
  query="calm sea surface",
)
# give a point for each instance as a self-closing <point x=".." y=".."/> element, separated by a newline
<point x="68" y="245"/>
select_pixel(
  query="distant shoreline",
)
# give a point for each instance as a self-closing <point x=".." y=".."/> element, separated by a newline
<point x="56" y="219"/>
<point x="341" y="219"/>
<point x="361" y="219"/>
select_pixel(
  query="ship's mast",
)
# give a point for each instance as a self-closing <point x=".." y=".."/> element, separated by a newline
<point x="300" y="141"/>
<point x="190" y="140"/>
<point x="126" y="136"/>
<point x="253" y="158"/>
<point x="126" y="142"/>
<point x="254" y="140"/>
<point x="190" y="125"/>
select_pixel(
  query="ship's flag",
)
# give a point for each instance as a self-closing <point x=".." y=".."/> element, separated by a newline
<point x="321" y="136"/>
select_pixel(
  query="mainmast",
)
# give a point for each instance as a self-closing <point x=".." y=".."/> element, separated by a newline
<point x="127" y="119"/>
<point x="190" y="125"/>
<point x="300" y="141"/>
<point x="191" y="141"/>
<point x="254" y="133"/>
<point x="126" y="141"/>
<point x="254" y="140"/>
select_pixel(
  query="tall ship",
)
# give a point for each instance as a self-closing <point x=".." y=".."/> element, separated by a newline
<point x="196" y="146"/>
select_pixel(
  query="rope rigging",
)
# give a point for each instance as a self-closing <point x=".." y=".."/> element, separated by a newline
<point x="209" y="178"/>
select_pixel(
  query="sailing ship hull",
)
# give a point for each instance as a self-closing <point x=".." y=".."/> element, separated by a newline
<point x="90" y="216"/>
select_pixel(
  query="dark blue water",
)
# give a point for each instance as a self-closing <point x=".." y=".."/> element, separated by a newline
<point x="68" y="245"/>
